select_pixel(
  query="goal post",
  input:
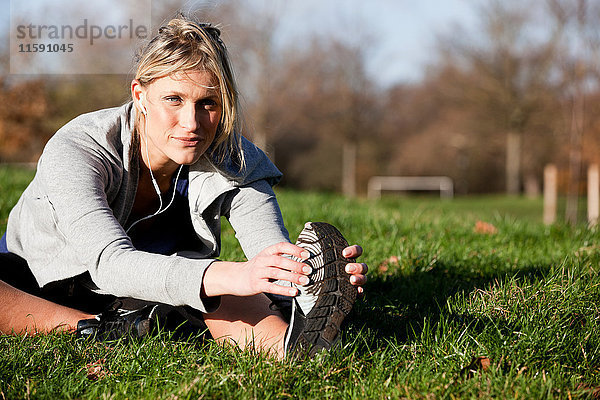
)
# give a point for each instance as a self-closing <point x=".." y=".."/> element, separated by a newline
<point x="443" y="184"/>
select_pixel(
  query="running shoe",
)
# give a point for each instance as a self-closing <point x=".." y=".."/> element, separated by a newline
<point x="322" y="305"/>
<point x="116" y="323"/>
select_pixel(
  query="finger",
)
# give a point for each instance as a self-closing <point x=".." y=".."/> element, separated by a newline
<point x="288" y="264"/>
<point x="352" y="251"/>
<point x="287" y="248"/>
<point x="361" y="291"/>
<point x="280" y="274"/>
<point x="357" y="268"/>
<point x="358" y="279"/>
<point x="281" y="290"/>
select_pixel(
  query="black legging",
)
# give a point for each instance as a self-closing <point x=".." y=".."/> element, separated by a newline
<point x="73" y="293"/>
<point x="68" y="292"/>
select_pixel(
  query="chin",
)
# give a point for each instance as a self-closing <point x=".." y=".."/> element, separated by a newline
<point x="187" y="156"/>
<point x="188" y="160"/>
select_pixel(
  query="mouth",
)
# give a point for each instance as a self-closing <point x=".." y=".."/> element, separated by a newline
<point x="188" y="141"/>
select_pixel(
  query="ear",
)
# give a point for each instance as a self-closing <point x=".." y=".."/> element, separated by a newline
<point x="138" y="94"/>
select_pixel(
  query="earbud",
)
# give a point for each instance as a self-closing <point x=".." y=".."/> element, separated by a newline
<point x="143" y="107"/>
<point x="154" y="183"/>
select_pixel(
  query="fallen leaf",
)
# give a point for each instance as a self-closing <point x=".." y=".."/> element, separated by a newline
<point x="385" y="265"/>
<point x="95" y="370"/>
<point x="477" y="364"/>
<point x="485" y="228"/>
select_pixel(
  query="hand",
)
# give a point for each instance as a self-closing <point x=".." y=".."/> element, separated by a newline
<point x="258" y="274"/>
<point x="357" y="271"/>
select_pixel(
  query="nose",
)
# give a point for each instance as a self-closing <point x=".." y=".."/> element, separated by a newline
<point x="188" y="118"/>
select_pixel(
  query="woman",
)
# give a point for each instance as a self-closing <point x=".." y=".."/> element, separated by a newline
<point x="126" y="204"/>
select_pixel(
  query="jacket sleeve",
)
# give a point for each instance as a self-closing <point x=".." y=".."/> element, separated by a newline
<point x="75" y="175"/>
<point x="254" y="214"/>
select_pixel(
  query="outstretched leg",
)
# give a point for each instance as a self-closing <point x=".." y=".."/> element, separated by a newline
<point x="22" y="312"/>
<point x="247" y="322"/>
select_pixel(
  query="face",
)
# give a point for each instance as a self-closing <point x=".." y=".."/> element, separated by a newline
<point x="183" y="112"/>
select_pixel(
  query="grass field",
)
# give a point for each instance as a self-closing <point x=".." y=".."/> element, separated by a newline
<point x="470" y="298"/>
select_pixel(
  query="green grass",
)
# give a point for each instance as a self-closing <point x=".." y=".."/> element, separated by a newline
<point x="12" y="182"/>
<point x="440" y="295"/>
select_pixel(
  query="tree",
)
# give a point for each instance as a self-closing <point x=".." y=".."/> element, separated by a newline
<point x="508" y="78"/>
<point x="22" y="114"/>
<point x="322" y="106"/>
<point x="576" y="24"/>
<point x="250" y="35"/>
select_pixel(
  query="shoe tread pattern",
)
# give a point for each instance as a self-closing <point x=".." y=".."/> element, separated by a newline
<point x="336" y="295"/>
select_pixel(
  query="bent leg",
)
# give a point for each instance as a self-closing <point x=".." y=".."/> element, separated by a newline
<point x="25" y="313"/>
<point x="248" y="321"/>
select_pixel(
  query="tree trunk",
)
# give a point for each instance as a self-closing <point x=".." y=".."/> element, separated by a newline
<point x="593" y="200"/>
<point x="513" y="163"/>
<point x="575" y="157"/>
<point x="349" y="168"/>
<point x="260" y="135"/>
<point x="577" y="116"/>
<point x="260" y="138"/>
<point x="550" y="193"/>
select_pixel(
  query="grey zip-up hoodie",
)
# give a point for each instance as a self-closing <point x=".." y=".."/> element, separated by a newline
<point x="70" y="218"/>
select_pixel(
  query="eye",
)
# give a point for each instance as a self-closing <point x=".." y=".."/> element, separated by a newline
<point x="172" y="99"/>
<point x="208" y="103"/>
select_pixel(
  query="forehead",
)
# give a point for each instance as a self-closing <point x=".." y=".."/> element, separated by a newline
<point x="192" y="80"/>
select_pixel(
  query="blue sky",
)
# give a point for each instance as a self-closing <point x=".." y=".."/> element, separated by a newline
<point x="402" y="31"/>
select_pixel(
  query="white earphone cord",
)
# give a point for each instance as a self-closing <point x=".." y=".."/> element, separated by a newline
<point x="154" y="183"/>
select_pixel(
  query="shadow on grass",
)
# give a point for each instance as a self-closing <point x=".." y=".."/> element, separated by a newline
<point x="396" y="306"/>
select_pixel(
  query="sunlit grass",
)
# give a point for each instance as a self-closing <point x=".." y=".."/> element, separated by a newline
<point x="469" y="298"/>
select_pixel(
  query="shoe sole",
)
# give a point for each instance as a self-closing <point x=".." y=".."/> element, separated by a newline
<point x="331" y="282"/>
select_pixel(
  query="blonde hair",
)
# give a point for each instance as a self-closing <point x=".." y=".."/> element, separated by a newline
<point x="184" y="45"/>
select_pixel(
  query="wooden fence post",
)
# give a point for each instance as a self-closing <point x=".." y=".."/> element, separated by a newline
<point x="593" y="194"/>
<point x="550" y="193"/>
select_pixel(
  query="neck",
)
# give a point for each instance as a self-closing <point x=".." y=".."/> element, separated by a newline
<point x="153" y="166"/>
<point x="162" y="174"/>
